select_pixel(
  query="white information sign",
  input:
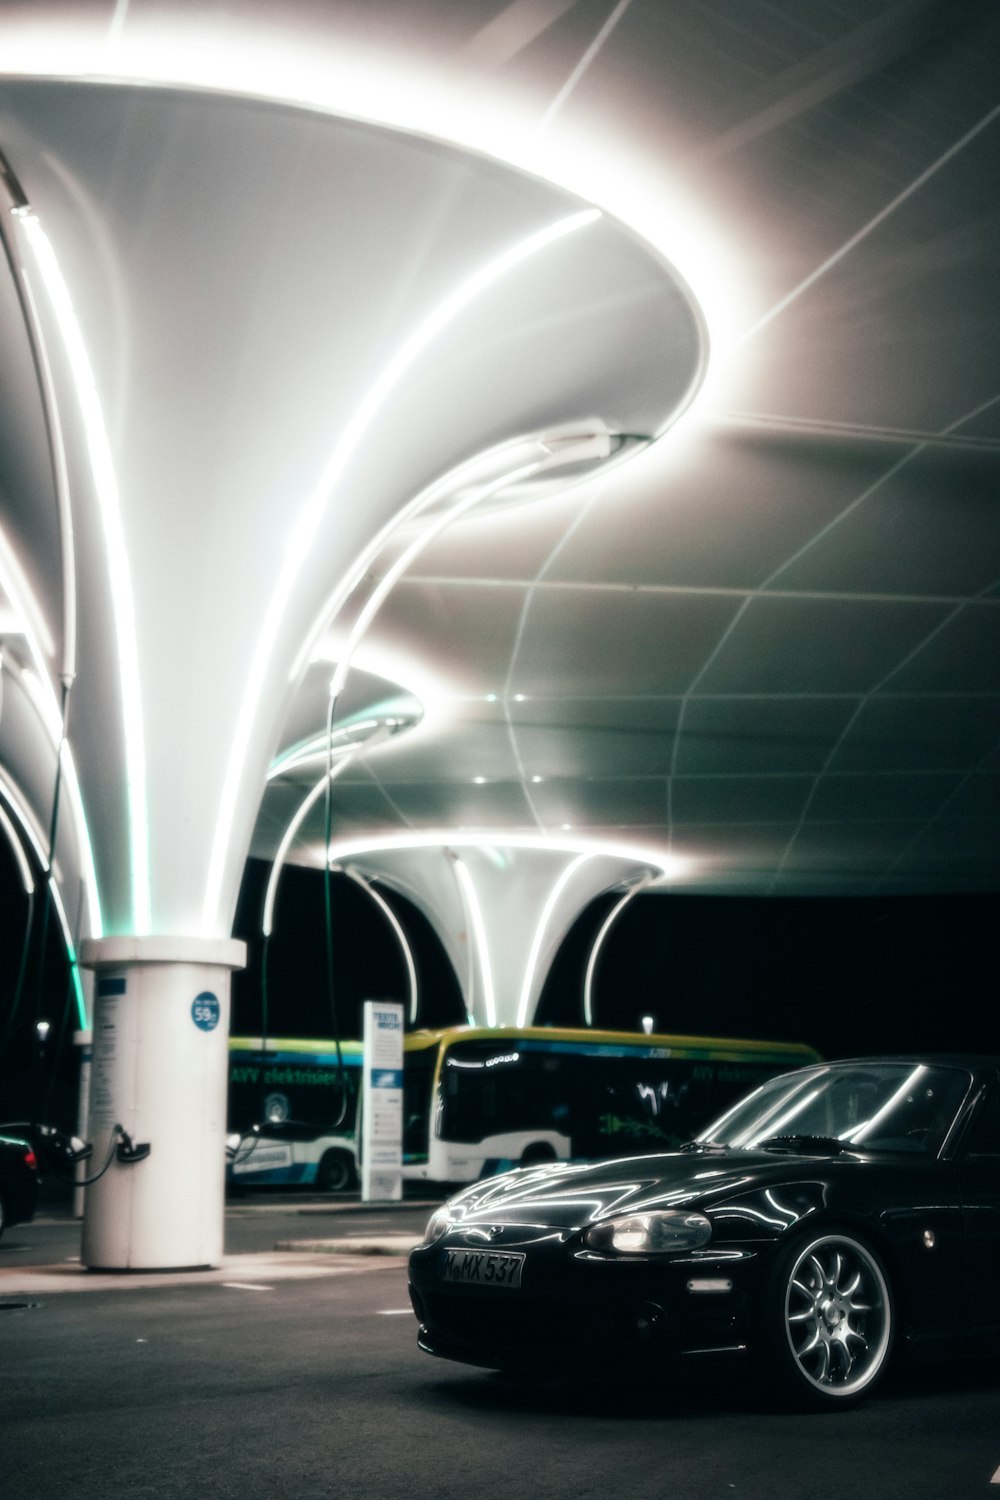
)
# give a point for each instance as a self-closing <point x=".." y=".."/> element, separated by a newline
<point x="382" y="1108"/>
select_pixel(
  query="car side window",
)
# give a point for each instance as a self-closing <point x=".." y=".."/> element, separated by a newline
<point x="984" y="1136"/>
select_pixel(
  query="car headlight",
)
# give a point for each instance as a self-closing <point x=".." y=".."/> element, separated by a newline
<point x="441" y="1220"/>
<point x="660" y="1233"/>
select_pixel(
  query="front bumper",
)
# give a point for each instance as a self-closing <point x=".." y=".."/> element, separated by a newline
<point x="574" y="1308"/>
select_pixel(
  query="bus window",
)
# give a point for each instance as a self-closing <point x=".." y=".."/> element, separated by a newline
<point x="418" y="1090"/>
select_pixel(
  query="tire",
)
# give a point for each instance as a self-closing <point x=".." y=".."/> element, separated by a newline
<point x="827" y="1321"/>
<point x="335" y="1173"/>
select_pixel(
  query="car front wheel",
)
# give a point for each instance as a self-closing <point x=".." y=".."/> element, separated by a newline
<point x="829" y="1320"/>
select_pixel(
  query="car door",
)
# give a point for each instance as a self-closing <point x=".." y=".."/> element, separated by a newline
<point x="979" y="1186"/>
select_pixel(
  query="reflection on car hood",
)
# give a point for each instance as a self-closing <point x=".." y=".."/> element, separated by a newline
<point x="567" y="1196"/>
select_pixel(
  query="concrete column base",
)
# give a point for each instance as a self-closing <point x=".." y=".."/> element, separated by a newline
<point x="161" y="1030"/>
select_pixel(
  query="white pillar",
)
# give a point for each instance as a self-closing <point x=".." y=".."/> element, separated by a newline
<point x="161" y="1028"/>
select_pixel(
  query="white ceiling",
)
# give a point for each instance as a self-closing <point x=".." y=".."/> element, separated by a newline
<point x="769" y="643"/>
<point x="772" y="643"/>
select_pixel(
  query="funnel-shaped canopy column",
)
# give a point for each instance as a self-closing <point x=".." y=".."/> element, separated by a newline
<point x="260" y="332"/>
<point x="503" y="910"/>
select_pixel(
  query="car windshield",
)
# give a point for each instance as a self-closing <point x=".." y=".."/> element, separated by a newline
<point x="873" y="1106"/>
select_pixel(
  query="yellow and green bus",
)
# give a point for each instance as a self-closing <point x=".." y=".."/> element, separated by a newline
<point x="479" y="1100"/>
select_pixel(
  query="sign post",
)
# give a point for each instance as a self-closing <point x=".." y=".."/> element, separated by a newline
<point x="382" y="1109"/>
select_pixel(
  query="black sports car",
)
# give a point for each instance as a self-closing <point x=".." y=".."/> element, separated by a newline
<point x="18" y="1180"/>
<point x="831" y="1215"/>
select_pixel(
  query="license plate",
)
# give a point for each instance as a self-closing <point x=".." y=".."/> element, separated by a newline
<point x="491" y="1268"/>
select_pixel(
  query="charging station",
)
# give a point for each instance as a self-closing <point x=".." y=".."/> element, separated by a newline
<point x="158" y="1101"/>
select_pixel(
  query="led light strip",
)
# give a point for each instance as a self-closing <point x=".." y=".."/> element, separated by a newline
<point x="392" y="575"/>
<point x="312" y="514"/>
<point x="31" y="621"/>
<point x="38" y="690"/>
<point x="294" y="825"/>
<point x="120" y="581"/>
<point x="480" y="470"/>
<point x="20" y="811"/>
<point x="534" y="953"/>
<point x="17" y="849"/>
<point x="318" y="748"/>
<point x="397" y="927"/>
<point x="606" y="926"/>
<point x="480" y="946"/>
<point x="667" y="864"/>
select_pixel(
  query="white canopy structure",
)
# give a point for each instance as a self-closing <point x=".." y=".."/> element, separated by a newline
<point x="599" y="403"/>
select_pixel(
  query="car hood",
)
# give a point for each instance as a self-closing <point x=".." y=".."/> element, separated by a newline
<point x="569" y="1197"/>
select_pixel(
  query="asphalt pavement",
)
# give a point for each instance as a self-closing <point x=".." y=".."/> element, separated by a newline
<point x="296" y="1373"/>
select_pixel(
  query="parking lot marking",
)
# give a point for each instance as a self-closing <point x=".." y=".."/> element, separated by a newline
<point x="394" y="1312"/>
<point x="248" y="1286"/>
<point x="996" y="1478"/>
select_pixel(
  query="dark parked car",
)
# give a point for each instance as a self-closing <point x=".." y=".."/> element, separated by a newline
<point x="18" y="1181"/>
<point x="832" y="1215"/>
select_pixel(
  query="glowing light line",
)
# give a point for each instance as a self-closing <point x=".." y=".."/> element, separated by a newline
<point x="123" y="607"/>
<point x="294" y="825"/>
<point x="17" y="849"/>
<point x="866" y="229"/>
<point x="60" y="475"/>
<point x="584" y="63"/>
<point x="481" y="946"/>
<point x="481" y="470"/>
<point x="536" y="942"/>
<point x="392" y="575"/>
<point x="397" y="927"/>
<point x="312" y="514"/>
<point x="35" y="838"/>
<point x="606" y="926"/>
<point x="667" y="864"/>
